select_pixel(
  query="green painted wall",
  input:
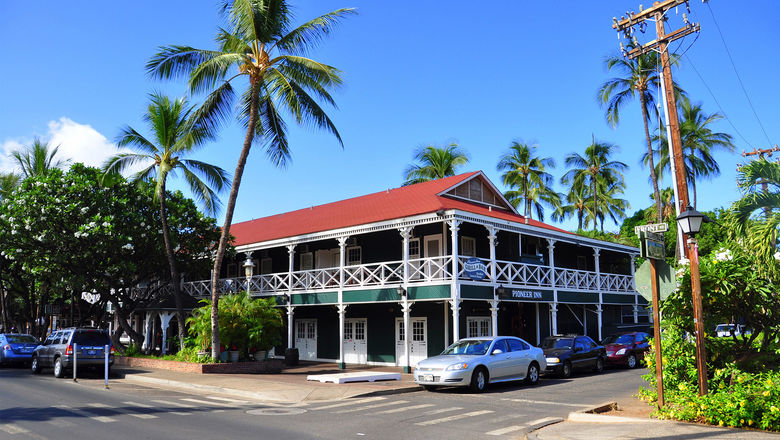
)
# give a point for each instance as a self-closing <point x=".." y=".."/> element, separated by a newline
<point x="371" y="295"/>
<point x="578" y="297"/>
<point x="468" y="291"/>
<point x="315" y="298"/>
<point x="429" y="292"/>
<point x="614" y="298"/>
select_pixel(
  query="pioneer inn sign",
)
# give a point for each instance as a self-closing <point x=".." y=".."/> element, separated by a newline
<point x="394" y="277"/>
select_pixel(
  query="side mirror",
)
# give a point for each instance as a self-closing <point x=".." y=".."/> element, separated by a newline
<point x="497" y="351"/>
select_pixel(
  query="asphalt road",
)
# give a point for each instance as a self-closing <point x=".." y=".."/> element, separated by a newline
<point x="42" y="407"/>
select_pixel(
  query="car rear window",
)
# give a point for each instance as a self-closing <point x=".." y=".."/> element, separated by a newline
<point x="557" y="343"/>
<point x="21" y="339"/>
<point x="91" y="338"/>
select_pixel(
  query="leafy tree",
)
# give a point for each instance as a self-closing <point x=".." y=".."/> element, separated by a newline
<point x="260" y="46"/>
<point x="175" y="136"/>
<point x="577" y="204"/>
<point x="435" y="163"/>
<point x="527" y="175"/>
<point x="38" y="159"/>
<point x="610" y="205"/>
<point x="595" y="171"/>
<point x="8" y="183"/>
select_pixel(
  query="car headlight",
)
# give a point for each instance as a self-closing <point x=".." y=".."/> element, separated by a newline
<point x="458" y="366"/>
<point x="553" y="360"/>
<point x="621" y="352"/>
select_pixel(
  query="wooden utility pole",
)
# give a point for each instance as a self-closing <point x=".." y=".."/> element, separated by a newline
<point x="626" y="25"/>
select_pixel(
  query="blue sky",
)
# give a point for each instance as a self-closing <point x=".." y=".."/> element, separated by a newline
<point x="415" y="73"/>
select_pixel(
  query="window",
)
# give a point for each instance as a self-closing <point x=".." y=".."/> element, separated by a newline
<point x="266" y="266"/>
<point x="477" y="326"/>
<point x="418" y="331"/>
<point x="360" y="330"/>
<point x="307" y="261"/>
<point x="468" y="246"/>
<point x="414" y="248"/>
<point x="501" y="345"/>
<point x="354" y="255"/>
<point x="517" y="345"/>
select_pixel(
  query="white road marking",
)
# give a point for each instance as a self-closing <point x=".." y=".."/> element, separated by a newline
<point x="140" y="405"/>
<point x="206" y="402"/>
<point x="139" y="414"/>
<point x="179" y="404"/>
<point x="506" y="430"/>
<point x="455" y="417"/>
<point x="442" y="410"/>
<point x="12" y="428"/>
<point x="60" y="422"/>
<point x="103" y="419"/>
<point x="544" y="402"/>
<point x="406" y="408"/>
<point x="378" y="405"/>
<point x="353" y="402"/>
<point x="225" y="399"/>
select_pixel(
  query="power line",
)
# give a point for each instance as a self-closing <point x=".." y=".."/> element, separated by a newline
<point x="734" y="66"/>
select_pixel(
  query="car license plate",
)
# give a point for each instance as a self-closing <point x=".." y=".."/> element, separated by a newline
<point x="427" y="378"/>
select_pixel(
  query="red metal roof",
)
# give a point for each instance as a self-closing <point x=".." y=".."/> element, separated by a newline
<point x="396" y="203"/>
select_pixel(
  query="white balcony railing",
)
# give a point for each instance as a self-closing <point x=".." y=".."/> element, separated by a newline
<point x="420" y="270"/>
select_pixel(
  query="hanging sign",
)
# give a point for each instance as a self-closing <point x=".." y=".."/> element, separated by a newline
<point x="475" y="269"/>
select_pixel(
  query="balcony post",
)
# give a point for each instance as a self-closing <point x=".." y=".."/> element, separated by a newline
<point x="455" y="289"/>
<point x="599" y="309"/>
<point x="551" y="257"/>
<point x="494" y="317"/>
<point x="633" y="287"/>
<point x="290" y="267"/>
<point x="554" y="317"/>
<point x="406" y="308"/>
<point x="455" y="306"/>
<point x="492" y="239"/>
<point x="596" y="253"/>
<point x="342" y="308"/>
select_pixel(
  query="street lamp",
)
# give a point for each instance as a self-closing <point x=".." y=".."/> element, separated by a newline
<point x="249" y="267"/>
<point x="689" y="223"/>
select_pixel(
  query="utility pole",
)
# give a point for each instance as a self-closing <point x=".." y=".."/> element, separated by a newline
<point x="627" y="25"/>
<point x="762" y="155"/>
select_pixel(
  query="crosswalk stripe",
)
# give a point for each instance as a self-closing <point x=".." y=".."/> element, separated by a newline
<point x="406" y="408"/>
<point x="140" y="405"/>
<point x="12" y="428"/>
<point x="171" y="402"/>
<point x="225" y="399"/>
<point x="353" y="402"/>
<point x="455" y="417"/>
<point x="442" y="410"/>
<point x="206" y="402"/>
<point x="543" y="402"/>
<point x="506" y="430"/>
<point x="378" y="405"/>
<point x="102" y="419"/>
<point x="144" y="416"/>
<point x="60" y="423"/>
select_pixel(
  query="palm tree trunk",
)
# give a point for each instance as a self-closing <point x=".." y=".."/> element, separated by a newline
<point x="580" y="214"/>
<point x="231" y="205"/>
<point x="693" y="188"/>
<point x="651" y="162"/>
<point x="595" y="202"/>
<point x="172" y="264"/>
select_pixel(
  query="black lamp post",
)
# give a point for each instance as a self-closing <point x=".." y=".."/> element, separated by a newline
<point x="689" y="223"/>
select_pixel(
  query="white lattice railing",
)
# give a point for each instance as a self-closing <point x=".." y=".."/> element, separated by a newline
<point x="430" y="269"/>
<point x="617" y="283"/>
<point x="511" y="272"/>
<point x="377" y="274"/>
<point x="575" y="279"/>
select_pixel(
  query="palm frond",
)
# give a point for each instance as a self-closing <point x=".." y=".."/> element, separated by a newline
<point x="309" y="34"/>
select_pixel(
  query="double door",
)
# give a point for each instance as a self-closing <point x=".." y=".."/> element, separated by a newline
<point x="418" y="341"/>
<point x="306" y="338"/>
<point x="355" y="347"/>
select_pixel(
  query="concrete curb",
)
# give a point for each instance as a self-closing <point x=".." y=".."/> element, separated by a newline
<point x="528" y="432"/>
<point x="413" y="389"/>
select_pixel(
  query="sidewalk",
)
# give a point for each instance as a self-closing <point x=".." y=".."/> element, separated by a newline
<point x="290" y="386"/>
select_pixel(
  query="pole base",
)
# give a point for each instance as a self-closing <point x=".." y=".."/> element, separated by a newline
<point x="342" y="366"/>
<point x="407" y="369"/>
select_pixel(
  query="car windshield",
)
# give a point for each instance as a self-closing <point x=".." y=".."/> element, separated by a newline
<point x="557" y="343"/>
<point x="724" y="327"/>
<point x="472" y="347"/>
<point x="91" y="338"/>
<point x="21" y="339"/>
<point x="619" y="339"/>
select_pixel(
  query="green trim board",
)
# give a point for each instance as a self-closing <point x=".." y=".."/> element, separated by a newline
<point x="578" y="297"/>
<point x="469" y="291"/>
<point x="615" y="298"/>
<point x="527" y="294"/>
<point x="315" y="298"/>
<point x="429" y="292"/>
<point x="370" y="295"/>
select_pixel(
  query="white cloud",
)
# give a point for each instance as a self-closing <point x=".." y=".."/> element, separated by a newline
<point x="77" y="142"/>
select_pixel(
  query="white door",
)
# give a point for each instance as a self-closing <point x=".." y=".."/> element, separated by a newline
<point x="355" y="347"/>
<point x="418" y="342"/>
<point x="477" y="326"/>
<point x="432" y="247"/>
<point x="306" y="338"/>
<point x="414" y="254"/>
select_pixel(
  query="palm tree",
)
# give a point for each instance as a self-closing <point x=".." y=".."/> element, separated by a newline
<point x="435" y="163"/>
<point x="260" y="46"/>
<point x="638" y="79"/>
<point x="8" y="183"/>
<point x="698" y="143"/>
<point x="595" y="171"/>
<point x="577" y="199"/>
<point x="37" y="159"/>
<point x="527" y="175"/>
<point x="761" y="230"/>
<point x="612" y="206"/>
<point x="175" y="135"/>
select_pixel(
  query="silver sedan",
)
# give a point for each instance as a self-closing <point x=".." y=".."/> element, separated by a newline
<point x="476" y="362"/>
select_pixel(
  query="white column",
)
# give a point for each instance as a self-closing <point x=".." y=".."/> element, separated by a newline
<point x="165" y="321"/>
<point x="494" y="316"/>
<point x="290" y="268"/>
<point x="406" y="234"/>
<point x="596" y="252"/>
<point x="342" y="308"/>
<point x="585" y="320"/>
<point x="554" y="305"/>
<point x="636" y="311"/>
<point x="633" y="284"/>
<point x="455" y="289"/>
<point x="406" y="308"/>
<point x="551" y="257"/>
<point x="554" y="317"/>
<point x="342" y="312"/>
<point x="148" y="332"/>
<point x="598" y="317"/>
<point x="446" y="324"/>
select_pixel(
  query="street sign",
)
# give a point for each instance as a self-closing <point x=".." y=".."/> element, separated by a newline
<point x="665" y="276"/>
<point x="652" y="245"/>
<point x="652" y="227"/>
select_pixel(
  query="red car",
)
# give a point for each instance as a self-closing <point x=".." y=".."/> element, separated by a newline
<point x="626" y="349"/>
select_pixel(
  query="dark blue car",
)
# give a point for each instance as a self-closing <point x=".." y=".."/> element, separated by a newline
<point x="16" y="348"/>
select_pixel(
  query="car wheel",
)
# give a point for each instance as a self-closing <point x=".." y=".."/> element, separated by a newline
<point x="566" y="370"/>
<point x="479" y="380"/>
<point x="532" y="378"/>
<point x="58" y="368"/>
<point x="599" y="368"/>
<point x="631" y="362"/>
<point x="35" y="367"/>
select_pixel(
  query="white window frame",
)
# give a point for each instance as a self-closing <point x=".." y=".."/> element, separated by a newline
<point x="349" y="261"/>
<point x="480" y="323"/>
<point x="473" y="243"/>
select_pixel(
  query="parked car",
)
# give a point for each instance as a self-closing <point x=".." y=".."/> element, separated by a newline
<point x="727" y="330"/>
<point x="16" y="348"/>
<point x="565" y="354"/>
<point x="476" y="362"/>
<point x="626" y="348"/>
<point x="57" y="350"/>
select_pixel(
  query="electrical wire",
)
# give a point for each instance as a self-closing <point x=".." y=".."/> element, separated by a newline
<point x="733" y="65"/>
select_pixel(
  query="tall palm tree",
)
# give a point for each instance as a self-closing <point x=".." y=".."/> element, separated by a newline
<point x="596" y="171"/>
<point x="699" y="141"/>
<point x="259" y="46"/>
<point x="175" y="134"/>
<point x="38" y="158"/>
<point x="577" y="204"/>
<point x="756" y="216"/>
<point x="611" y="205"/>
<point x="638" y="79"/>
<point x="527" y="175"/>
<point x="435" y="163"/>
